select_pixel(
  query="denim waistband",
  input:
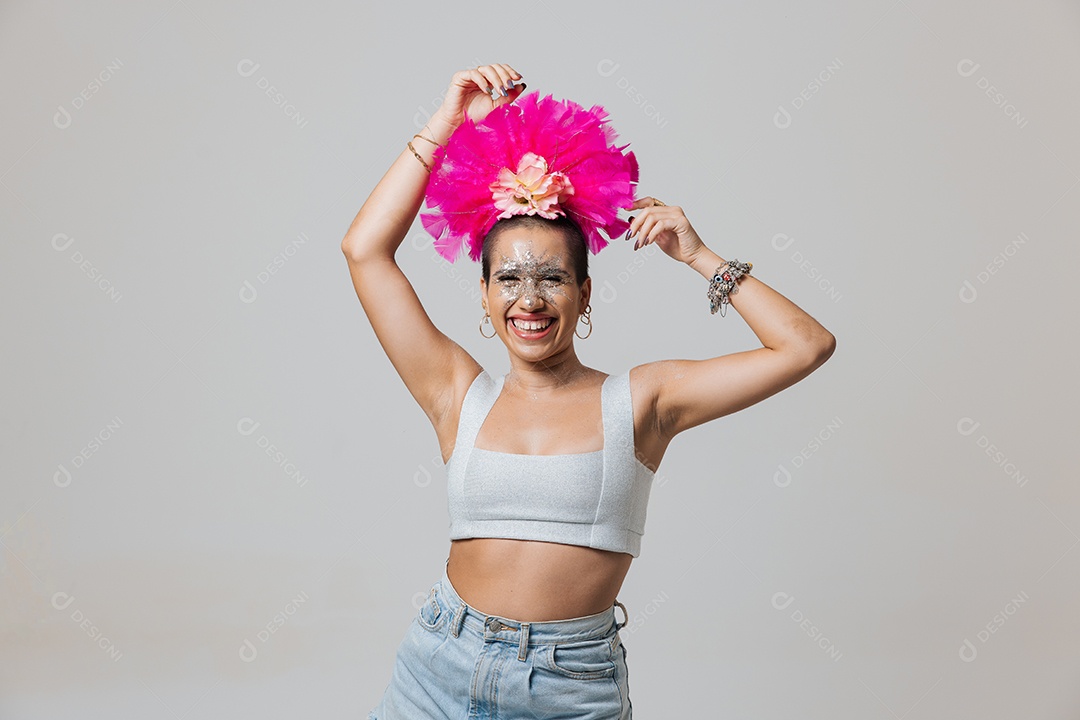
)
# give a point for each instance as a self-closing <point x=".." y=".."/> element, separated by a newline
<point x="496" y="627"/>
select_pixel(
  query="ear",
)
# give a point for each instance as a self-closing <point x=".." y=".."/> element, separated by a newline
<point x="586" y="292"/>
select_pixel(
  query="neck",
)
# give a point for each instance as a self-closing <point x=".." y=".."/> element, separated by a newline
<point x="559" y="370"/>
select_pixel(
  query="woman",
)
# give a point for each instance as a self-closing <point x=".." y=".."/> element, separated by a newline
<point x="549" y="467"/>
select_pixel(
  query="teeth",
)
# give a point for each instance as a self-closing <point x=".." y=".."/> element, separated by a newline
<point x="531" y="325"/>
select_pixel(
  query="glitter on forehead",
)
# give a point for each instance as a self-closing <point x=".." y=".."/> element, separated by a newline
<point x="530" y="263"/>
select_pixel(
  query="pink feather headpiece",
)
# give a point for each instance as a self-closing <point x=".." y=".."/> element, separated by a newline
<point x="529" y="157"/>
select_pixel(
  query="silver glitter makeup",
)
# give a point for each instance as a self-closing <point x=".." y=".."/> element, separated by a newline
<point x="529" y="276"/>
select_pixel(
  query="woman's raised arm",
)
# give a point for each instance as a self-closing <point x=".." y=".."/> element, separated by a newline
<point x="430" y="363"/>
<point x="686" y="393"/>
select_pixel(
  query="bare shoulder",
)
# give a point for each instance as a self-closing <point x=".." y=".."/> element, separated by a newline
<point x="648" y="383"/>
<point x="647" y="380"/>
<point x="651" y="436"/>
<point x="446" y="410"/>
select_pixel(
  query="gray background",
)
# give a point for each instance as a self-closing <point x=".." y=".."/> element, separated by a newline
<point x="219" y="500"/>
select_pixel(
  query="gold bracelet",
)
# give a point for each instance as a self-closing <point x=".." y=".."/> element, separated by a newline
<point x="418" y="156"/>
<point x="430" y="141"/>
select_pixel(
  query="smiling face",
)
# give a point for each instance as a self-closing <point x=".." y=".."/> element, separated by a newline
<point x="533" y="298"/>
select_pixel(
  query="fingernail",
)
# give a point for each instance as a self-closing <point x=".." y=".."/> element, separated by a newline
<point x="503" y="91"/>
<point x="511" y="85"/>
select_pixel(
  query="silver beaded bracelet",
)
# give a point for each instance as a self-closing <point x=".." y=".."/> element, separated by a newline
<point x="723" y="283"/>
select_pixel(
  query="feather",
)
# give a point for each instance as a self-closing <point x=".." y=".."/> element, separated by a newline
<point x="573" y="141"/>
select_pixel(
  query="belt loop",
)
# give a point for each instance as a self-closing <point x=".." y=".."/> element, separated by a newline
<point x="626" y="617"/>
<point x="523" y="646"/>
<point x="457" y="618"/>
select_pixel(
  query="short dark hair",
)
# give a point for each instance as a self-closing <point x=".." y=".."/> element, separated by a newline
<point x="575" y="242"/>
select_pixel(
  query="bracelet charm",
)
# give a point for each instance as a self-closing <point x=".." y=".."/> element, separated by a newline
<point x="725" y="283"/>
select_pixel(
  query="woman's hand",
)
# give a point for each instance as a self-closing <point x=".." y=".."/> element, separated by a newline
<point x="665" y="225"/>
<point x="469" y="94"/>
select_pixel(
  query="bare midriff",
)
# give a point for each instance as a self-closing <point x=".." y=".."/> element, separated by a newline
<point x="534" y="581"/>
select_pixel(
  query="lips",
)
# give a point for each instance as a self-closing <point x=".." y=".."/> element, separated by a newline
<point x="531" y="335"/>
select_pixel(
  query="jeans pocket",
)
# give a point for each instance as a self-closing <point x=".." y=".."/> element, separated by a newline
<point x="431" y="614"/>
<point x="581" y="660"/>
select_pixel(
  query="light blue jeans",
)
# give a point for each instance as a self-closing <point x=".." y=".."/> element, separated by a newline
<point x="456" y="663"/>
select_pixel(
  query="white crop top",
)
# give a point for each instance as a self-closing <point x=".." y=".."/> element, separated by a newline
<point x="596" y="499"/>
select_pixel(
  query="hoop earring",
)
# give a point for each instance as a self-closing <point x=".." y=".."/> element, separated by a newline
<point x="487" y="319"/>
<point x="588" y="309"/>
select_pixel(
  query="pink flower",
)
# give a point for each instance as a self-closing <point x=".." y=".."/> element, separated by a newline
<point x="532" y="190"/>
